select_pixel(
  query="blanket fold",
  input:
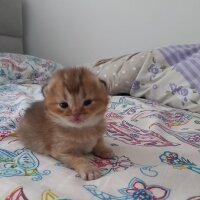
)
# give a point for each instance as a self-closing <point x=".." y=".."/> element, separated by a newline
<point x="170" y="75"/>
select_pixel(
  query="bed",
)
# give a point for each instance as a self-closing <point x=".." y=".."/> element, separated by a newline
<point x="153" y="126"/>
<point x="156" y="146"/>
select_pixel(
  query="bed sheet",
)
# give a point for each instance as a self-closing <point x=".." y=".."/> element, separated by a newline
<point x="156" y="148"/>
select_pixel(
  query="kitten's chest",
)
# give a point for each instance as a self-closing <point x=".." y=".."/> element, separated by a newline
<point x="86" y="145"/>
<point x="77" y="142"/>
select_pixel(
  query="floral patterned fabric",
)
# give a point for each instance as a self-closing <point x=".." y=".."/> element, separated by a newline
<point x="162" y="81"/>
<point x="170" y="75"/>
<point x="156" y="148"/>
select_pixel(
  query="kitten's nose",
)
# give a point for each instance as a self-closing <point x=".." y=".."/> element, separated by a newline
<point x="76" y="113"/>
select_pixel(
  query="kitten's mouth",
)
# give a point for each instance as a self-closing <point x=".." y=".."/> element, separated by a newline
<point x="76" y="120"/>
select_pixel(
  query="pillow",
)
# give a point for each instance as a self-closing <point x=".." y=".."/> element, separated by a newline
<point x="119" y="72"/>
<point x="18" y="68"/>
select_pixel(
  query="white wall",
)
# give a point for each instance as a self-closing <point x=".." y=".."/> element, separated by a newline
<point x="80" y="31"/>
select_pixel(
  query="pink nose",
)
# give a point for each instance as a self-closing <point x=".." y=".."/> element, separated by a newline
<point x="76" y="114"/>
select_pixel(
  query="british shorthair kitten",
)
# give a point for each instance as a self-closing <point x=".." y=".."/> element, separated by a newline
<point x="69" y="123"/>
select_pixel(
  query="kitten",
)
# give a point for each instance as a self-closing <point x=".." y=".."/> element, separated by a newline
<point x="69" y="123"/>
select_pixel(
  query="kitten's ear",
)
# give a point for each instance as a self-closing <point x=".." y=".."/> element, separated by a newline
<point x="104" y="84"/>
<point x="44" y="89"/>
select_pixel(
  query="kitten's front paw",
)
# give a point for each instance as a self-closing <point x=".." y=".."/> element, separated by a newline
<point x="90" y="173"/>
<point x="105" y="153"/>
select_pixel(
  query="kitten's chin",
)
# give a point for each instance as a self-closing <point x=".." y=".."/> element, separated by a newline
<point x="61" y="121"/>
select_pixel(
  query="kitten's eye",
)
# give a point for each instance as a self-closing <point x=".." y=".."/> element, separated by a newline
<point x="63" y="105"/>
<point x="87" y="102"/>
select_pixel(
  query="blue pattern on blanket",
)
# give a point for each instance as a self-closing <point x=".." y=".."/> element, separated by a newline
<point x="21" y="162"/>
<point x="14" y="99"/>
<point x="137" y="190"/>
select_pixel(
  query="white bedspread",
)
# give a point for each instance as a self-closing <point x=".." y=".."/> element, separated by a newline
<point x="156" y="151"/>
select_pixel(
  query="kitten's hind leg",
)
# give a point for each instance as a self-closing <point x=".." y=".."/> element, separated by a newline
<point x="102" y="151"/>
<point x="79" y="163"/>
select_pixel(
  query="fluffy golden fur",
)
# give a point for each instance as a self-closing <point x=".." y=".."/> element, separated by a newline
<point x="69" y="123"/>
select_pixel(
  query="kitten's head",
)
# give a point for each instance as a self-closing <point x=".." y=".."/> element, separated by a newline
<point x="75" y="97"/>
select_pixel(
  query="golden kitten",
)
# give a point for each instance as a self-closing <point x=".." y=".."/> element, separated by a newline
<point x="70" y="122"/>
